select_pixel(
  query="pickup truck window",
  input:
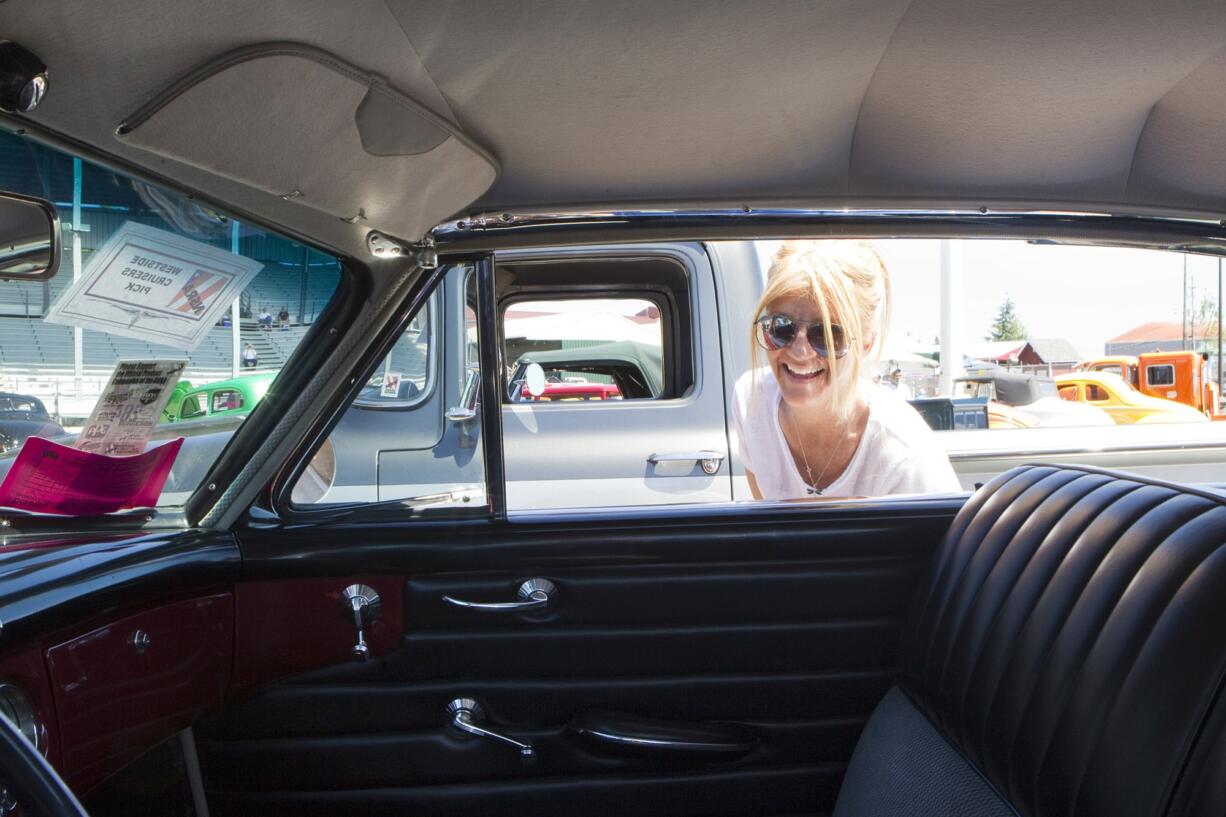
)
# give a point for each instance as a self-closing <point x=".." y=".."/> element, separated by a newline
<point x="586" y="349"/>
<point x="66" y="366"/>
<point x="404" y="376"/>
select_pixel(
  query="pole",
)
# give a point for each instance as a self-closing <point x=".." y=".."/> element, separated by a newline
<point x="302" y="285"/>
<point x="951" y="314"/>
<point x="235" y="351"/>
<point x="78" y="336"/>
<point x="1183" y="341"/>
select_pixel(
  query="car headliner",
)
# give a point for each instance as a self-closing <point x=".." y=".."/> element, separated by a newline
<point x="1102" y="103"/>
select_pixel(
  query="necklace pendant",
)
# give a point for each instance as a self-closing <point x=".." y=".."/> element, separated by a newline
<point x="813" y="491"/>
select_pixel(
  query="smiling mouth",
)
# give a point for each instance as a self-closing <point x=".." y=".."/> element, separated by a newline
<point x="804" y="374"/>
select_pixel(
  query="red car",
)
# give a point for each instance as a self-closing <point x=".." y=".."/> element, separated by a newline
<point x="574" y="391"/>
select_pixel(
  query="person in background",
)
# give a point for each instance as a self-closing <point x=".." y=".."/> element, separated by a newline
<point x="251" y="357"/>
<point x="265" y="319"/>
<point x="897" y="384"/>
<point x="283" y="319"/>
<point x="810" y="422"/>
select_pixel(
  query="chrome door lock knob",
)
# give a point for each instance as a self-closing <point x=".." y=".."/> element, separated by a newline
<point x="362" y="603"/>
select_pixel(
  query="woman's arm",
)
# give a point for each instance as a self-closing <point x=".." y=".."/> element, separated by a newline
<point x="753" y="485"/>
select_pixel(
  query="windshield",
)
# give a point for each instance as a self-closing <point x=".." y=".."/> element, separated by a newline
<point x="180" y="294"/>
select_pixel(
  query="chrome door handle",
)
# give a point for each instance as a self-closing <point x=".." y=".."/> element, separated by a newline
<point x="709" y="460"/>
<point x="534" y="594"/>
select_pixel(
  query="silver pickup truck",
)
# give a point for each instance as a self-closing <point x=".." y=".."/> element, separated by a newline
<point x="414" y="431"/>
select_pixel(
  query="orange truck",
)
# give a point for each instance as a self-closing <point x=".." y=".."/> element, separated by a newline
<point x="1179" y="376"/>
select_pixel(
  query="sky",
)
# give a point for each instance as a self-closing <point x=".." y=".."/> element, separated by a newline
<point x="1086" y="295"/>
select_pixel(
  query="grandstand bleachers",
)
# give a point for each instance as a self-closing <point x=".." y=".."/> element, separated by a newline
<point x="32" y="344"/>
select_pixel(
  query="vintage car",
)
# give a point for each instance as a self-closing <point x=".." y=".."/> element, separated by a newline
<point x="445" y="639"/>
<point x="1125" y="404"/>
<point x="1181" y="375"/>
<point x="23" y="416"/>
<point x="1037" y="397"/>
<point x="237" y="395"/>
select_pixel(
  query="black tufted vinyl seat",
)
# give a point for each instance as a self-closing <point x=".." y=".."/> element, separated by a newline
<point x="1064" y="657"/>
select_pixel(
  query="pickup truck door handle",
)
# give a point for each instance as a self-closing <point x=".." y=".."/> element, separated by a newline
<point x="622" y="733"/>
<point x="534" y="594"/>
<point x="709" y="460"/>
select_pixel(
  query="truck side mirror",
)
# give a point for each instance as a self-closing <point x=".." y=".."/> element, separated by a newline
<point x="464" y="414"/>
<point x="29" y="238"/>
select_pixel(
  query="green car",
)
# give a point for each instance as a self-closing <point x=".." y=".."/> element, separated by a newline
<point x="223" y="398"/>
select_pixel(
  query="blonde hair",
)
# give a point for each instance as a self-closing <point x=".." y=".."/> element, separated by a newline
<point x="850" y="286"/>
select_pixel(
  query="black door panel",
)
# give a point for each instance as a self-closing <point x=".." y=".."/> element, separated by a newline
<point x="795" y="642"/>
<point x="810" y="789"/>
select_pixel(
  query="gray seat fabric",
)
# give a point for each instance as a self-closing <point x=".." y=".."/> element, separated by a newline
<point x="1067" y="650"/>
<point x="902" y="765"/>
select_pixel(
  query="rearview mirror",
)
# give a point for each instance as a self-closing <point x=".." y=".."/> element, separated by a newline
<point x="29" y="238"/>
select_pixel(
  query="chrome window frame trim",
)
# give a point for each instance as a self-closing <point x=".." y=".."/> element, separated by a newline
<point x="1152" y="228"/>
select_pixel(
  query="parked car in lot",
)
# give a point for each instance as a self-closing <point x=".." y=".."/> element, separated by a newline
<point x="23" y="416"/>
<point x="1037" y="397"/>
<point x="1182" y="376"/>
<point x="483" y="606"/>
<point x="238" y="395"/>
<point x="1121" y="401"/>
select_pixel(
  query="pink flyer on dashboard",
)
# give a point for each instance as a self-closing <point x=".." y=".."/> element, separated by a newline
<point x="48" y="477"/>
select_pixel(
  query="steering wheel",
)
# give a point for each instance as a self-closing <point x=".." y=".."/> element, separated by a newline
<point x="30" y="778"/>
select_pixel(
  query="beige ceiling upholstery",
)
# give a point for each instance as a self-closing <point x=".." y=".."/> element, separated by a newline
<point x="240" y="100"/>
<point x="1107" y="102"/>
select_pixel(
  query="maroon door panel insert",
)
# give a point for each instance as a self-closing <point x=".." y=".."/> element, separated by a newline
<point x="127" y="686"/>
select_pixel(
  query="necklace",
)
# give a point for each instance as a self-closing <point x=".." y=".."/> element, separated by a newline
<point x="811" y="488"/>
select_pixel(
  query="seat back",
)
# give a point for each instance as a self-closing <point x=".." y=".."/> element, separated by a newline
<point x="1063" y="657"/>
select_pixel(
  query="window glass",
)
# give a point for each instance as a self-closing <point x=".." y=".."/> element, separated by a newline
<point x="46" y="354"/>
<point x="413" y="434"/>
<point x="401" y="379"/>
<point x="191" y="407"/>
<point x="1031" y="329"/>
<point x="1160" y="375"/>
<point x="1032" y="367"/>
<point x="587" y="349"/>
<point x="13" y="404"/>
<point x="227" y="400"/>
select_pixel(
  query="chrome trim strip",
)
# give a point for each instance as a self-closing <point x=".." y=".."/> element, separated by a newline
<point x="625" y="740"/>
<point x="1119" y="224"/>
<point x="1104" y="449"/>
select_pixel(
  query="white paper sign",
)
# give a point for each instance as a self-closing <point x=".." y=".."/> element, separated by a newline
<point x="131" y="405"/>
<point x="155" y="286"/>
<point x="391" y="384"/>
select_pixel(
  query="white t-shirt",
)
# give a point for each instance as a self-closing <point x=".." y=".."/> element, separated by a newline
<point x="898" y="453"/>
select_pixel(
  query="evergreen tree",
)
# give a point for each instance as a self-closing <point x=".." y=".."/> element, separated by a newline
<point x="1007" y="326"/>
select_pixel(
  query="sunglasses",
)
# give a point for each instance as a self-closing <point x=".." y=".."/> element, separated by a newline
<point x="776" y="332"/>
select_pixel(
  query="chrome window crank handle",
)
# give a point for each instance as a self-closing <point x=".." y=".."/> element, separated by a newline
<point x="362" y="603"/>
<point x="534" y="594"/>
<point x="466" y="714"/>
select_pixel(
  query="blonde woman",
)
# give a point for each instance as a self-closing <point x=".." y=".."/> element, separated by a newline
<point x="810" y="422"/>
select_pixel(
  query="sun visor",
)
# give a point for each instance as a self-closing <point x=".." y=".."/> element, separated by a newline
<point x="300" y="124"/>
